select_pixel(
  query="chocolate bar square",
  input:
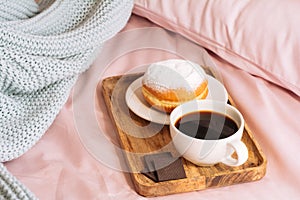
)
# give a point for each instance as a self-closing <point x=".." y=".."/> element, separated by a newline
<point x="166" y="171"/>
<point x="163" y="167"/>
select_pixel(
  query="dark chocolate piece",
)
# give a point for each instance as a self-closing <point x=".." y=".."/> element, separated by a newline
<point x="166" y="171"/>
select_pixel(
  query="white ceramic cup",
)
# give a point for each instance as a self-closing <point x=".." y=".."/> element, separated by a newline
<point x="205" y="152"/>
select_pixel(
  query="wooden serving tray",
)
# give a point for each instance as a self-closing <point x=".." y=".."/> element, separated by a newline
<point x="139" y="137"/>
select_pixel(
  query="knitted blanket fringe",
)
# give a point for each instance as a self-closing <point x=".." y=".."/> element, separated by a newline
<point x="44" y="46"/>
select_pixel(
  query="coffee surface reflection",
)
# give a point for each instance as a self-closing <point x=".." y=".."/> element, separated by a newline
<point x="206" y="125"/>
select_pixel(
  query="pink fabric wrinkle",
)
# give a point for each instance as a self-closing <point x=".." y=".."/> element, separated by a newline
<point x="72" y="181"/>
<point x="115" y="189"/>
<point x="69" y="102"/>
<point x="137" y="22"/>
<point x="61" y="184"/>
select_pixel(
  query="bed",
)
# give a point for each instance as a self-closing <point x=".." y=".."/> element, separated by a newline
<point x="254" y="46"/>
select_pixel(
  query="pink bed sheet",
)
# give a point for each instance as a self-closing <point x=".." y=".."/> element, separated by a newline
<point x="59" y="166"/>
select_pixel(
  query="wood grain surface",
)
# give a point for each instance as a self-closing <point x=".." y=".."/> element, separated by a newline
<point x="139" y="137"/>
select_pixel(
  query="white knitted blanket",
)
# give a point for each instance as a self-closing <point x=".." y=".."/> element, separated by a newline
<point x="44" y="46"/>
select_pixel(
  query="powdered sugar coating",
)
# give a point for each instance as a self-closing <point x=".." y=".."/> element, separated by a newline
<point x="174" y="74"/>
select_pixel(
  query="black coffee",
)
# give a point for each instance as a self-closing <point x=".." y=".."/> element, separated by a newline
<point x="206" y="125"/>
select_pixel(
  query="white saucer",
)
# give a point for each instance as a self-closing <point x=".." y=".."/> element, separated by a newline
<point x="137" y="104"/>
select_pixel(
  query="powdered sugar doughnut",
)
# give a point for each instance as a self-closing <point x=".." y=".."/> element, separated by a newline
<point x="169" y="83"/>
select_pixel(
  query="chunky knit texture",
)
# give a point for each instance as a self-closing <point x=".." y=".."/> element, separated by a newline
<point x="44" y="46"/>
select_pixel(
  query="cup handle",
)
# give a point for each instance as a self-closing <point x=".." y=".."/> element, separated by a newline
<point x="241" y="151"/>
